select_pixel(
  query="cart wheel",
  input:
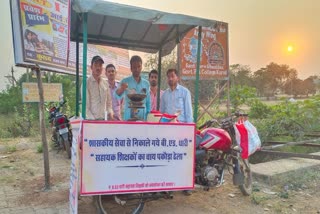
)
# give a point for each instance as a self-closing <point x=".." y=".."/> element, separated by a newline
<point x="125" y="203"/>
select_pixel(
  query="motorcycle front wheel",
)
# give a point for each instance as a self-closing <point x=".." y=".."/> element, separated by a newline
<point x="246" y="187"/>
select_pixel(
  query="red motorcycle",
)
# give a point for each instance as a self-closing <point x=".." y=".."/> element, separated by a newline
<point x="216" y="151"/>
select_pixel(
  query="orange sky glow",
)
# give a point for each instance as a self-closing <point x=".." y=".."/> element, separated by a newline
<point x="259" y="31"/>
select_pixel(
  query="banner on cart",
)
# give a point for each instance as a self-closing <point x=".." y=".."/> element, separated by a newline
<point x="74" y="167"/>
<point x="136" y="157"/>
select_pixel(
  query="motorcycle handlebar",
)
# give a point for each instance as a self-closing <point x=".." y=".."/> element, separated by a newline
<point x="238" y="114"/>
<point x="210" y="122"/>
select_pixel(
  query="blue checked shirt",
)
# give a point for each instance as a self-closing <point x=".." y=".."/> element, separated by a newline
<point x="138" y="88"/>
<point x="177" y="100"/>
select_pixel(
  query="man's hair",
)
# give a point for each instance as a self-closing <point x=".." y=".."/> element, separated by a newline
<point x="110" y="66"/>
<point x="153" y="72"/>
<point x="135" y="58"/>
<point x="173" y="70"/>
<point x="96" y="58"/>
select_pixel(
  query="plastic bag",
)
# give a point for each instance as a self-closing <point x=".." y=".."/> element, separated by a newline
<point x="247" y="138"/>
<point x="253" y="138"/>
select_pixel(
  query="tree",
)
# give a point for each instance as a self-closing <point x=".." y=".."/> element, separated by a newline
<point x="310" y="85"/>
<point x="241" y="75"/>
<point x="294" y="87"/>
<point x="272" y="78"/>
<point x="240" y="95"/>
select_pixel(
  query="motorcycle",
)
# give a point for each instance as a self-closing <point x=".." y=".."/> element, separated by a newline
<point x="61" y="128"/>
<point x="216" y="151"/>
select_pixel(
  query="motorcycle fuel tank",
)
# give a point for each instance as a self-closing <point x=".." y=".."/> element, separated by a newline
<point x="215" y="138"/>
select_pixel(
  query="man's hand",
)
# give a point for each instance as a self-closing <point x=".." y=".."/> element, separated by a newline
<point x="122" y="88"/>
<point x="110" y="117"/>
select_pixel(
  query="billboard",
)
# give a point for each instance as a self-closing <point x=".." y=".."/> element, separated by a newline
<point x="51" y="92"/>
<point x="41" y="35"/>
<point x="214" y="53"/>
<point x="44" y="31"/>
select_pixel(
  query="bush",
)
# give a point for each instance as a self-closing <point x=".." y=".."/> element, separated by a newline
<point x="4" y="133"/>
<point x="258" y="109"/>
<point x="39" y="148"/>
<point x="292" y="119"/>
<point x="240" y="95"/>
<point x="21" y="124"/>
<point x="11" y="149"/>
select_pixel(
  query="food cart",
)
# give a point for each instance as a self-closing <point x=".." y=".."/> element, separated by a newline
<point x="118" y="158"/>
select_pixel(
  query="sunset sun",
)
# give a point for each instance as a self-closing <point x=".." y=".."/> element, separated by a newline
<point x="290" y="48"/>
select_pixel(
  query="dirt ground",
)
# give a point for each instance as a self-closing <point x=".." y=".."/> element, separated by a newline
<point x="21" y="182"/>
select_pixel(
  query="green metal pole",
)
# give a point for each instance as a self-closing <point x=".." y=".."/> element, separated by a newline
<point x="196" y="97"/>
<point x="77" y="74"/>
<point x="159" y="79"/>
<point x="84" y="63"/>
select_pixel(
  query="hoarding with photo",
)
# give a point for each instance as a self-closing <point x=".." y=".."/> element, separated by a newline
<point x="41" y="36"/>
<point x="214" y="62"/>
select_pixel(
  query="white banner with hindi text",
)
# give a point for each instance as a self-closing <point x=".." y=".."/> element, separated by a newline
<point x="120" y="157"/>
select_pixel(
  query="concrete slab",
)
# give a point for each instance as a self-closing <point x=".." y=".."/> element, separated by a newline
<point x="284" y="170"/>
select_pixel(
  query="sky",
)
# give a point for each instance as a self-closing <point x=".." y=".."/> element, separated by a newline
<point x="259" y="31"/>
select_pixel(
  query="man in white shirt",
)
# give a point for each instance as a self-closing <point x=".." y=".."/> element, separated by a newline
<point x="98" y="100"/>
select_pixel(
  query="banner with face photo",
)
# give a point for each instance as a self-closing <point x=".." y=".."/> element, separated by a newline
<point x="41" y="36"/>
<point x="45" y="31"/>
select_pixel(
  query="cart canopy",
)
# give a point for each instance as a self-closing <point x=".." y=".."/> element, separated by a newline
<point x="132" y="27"/>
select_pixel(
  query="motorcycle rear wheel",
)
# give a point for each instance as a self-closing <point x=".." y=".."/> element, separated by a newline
<point x="67" y="147"/>
<point x="245" y="188"/>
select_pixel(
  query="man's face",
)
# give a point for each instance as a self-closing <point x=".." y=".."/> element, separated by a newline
<point x="111" y="73"/>
<point x="172" y="79"/>
<point x="153" y="79"/>
<point x="96" y="68"/>
<point x="136" y="68"/>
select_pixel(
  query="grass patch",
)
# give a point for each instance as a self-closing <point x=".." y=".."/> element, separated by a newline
<point x="258" y="198"/>
<point x="7" y="179"/>
<point x="11" y="149"/>
<point x="39" y="148"/>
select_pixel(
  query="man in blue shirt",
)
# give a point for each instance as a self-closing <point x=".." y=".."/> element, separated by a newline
<point x="176" y="99"/>
<point x="135" y="85"/>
